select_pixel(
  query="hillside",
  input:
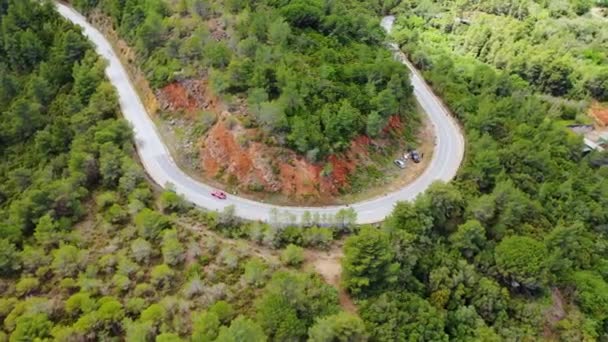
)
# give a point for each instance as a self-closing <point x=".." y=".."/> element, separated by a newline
<point x="277" y="100"/>
<point x="514" y="249"/>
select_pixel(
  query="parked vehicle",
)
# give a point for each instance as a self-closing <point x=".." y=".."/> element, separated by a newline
<point x="400" y="163"/>
<point x="415" y="156"/>
<point x="219" y="194"/>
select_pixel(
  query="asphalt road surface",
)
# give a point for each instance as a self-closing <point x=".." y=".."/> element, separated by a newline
<point x="160" y="166"/>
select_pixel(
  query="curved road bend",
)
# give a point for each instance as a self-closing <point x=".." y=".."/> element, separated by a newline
<point x="162" y="169"/>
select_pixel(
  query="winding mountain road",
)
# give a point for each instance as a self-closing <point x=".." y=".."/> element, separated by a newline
<point x="160" y="166"/>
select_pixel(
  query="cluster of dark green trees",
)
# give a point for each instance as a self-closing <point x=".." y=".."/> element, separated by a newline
<point x="558" y="47"/>
<point x="314" y="73"/>
<point x="521" y="229"/>
<point x="59" y="136"/>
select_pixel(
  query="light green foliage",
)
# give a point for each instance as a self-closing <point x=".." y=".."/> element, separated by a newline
<point x="339" y="327"/>
<point x="241" y="330"/>
<point x="317" y="237"/>
<point x="6" y="305"/>
<point x="592" y="294"/>
<point x="153" y="315"/>
<point x="27" y="285"/>
<point x="292" y="255"/>
<point x="106" y="199"/>
<point x="345" y="220"/>
<point x="256" y="272"/>
<point x="374" y="124"/>
<point x="47" y="231"/>
<point x="205" y="326"/>
<point x="161" y="276"/>
<point x="66" y="260"/>
<point x="80" y="302"/>
<point x="138" y="331"/>
<point x="31" y="327"/>
<point x="110" y="312"/>
<point x="291" y="302"/>
<point x="171" y="202"/>
<point x="150" y="224"/>
<point x="172" y="249"/>
<point x="135" y="305"/>
<point x="223" y="310"/>
<point x="168" y="337"/>
<point x="523" y="260"/>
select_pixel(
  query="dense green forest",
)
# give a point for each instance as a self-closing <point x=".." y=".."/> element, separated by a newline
<point x="88" y="250"/>
<point x="314" y="73"/>
<point x="514" y="249"/>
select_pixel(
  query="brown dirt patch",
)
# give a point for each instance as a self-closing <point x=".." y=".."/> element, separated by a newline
<point x="217" y="29"/>
<point x="599" y="112"/>
<point x="328" y="265"/>
<point x="554" y="314"/>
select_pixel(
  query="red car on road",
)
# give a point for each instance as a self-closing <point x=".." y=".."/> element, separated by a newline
<point x="218" y="194"/>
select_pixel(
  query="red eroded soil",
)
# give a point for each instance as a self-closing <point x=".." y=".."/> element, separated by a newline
<point x="233" y="155"/>
<point x="255" y="165"/>
<point x="599" y="113"/>
<point x="188" y="96"/>
<point x="179" y="98"/>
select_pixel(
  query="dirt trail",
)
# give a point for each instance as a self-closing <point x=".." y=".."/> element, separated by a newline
<point x="328" y="265"/>
<point x="555" y="313"/>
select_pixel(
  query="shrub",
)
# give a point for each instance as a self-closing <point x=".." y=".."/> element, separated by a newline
<point x="106" y="199"/>
<point x="173" y="251"/>
<point x="135" y="305"/>
<point x="141" y="250"/>
<point x="170" y="202"/>
<point x="26" y="286"/>
<point x="66" y="260"/>
<point x="317" y="237"/>
<point x="161" y="276"/>
<point x="256" y="272"/>
<point x="224" y="311"/>
<point x="80" y="303"/>
<point x="292" y="255"/>
<point x="154" y="314"/>
<point x="150" y="224"/>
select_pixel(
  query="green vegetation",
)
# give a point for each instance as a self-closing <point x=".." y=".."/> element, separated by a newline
<point x="522" y="230"/>
<point x="314" y="74"/>
<point x="88" y="251"/>
<point x="557" y="47"/>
